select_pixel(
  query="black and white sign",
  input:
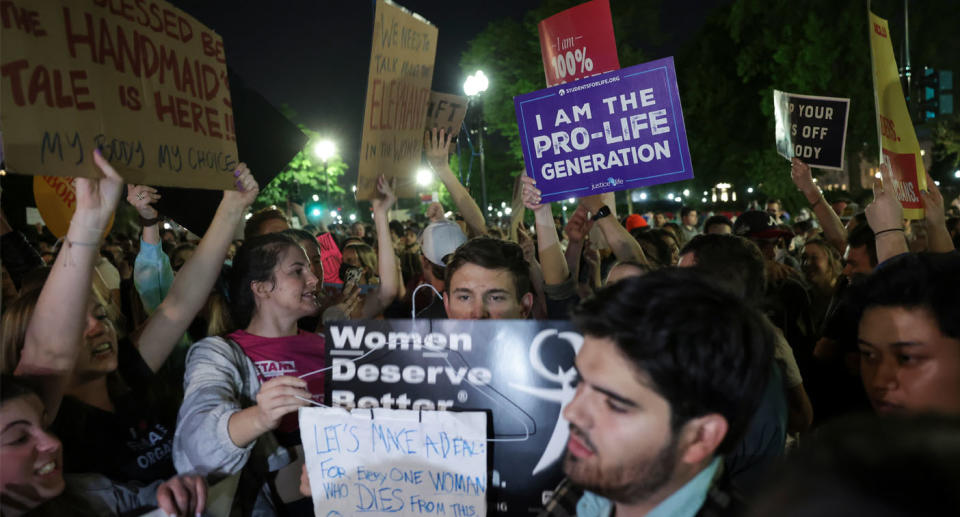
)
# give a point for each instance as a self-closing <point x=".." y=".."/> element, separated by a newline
<point x="519" y="371"/>
<point x="811" y="128"/>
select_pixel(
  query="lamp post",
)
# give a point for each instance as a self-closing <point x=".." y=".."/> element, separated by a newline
<point x="473" y="87"/>
<point x="325" y="149"/>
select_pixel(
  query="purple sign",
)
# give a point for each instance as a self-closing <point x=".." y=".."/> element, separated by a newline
<point x="619" y="130"/>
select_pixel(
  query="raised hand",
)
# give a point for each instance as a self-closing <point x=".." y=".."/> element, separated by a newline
<point x="278" y="397"/>
<point x="142" y="197"/>
<point x="579" y="225"/>
<point x="436" y="144"/>
<point x="183" y="496"/>
<point x="885" y="211"/>
<point x="435" y="212"/>
<point x="803" y="179"/>
<point x="247" y="187"/>
<point x="387" y="197"/>
<point x="531" y="194"/>
<point x="97" y="198"/>
<point x="933" y="210"/>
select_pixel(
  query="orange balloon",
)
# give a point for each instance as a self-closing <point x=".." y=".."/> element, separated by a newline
<point x="56" y="198"/>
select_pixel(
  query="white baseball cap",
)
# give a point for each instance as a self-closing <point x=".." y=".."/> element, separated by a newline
<point x="440" y="239"/>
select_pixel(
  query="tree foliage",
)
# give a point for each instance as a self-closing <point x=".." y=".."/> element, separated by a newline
<point x="305" y="175"/>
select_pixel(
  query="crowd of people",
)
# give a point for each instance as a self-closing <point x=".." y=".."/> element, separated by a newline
<point x="747" y="365"/>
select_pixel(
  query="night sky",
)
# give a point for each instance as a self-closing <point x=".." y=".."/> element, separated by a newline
<point x="314" y="56"/>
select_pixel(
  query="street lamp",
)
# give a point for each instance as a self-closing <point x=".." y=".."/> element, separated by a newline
<point x="324" y="149"/>
<point x="424" y="177"/>
<point x="473" y="87"/>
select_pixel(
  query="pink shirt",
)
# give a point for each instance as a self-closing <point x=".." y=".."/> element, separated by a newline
<point x="291" y="355"/>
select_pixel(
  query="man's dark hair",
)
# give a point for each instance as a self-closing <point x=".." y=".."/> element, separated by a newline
<point x="686" y="210"/>
<point x="396" y="228"/>
<point x="804" y="226"/>
<point x="862" y="235"/>
<point x="704" y="350"/>
<point x="717" y="219"/>
<point x="651" y="240"/>
<point x="773" y="200"/>
<point x="928" y="281"/>
<point x="12" y="387"/>
<point x="733" y="261"/>
<point x="492" y="253"/>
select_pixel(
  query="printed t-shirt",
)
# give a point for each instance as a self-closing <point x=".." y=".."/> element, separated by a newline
<point x="132" y="443"/>
<point x="290" y="355"/>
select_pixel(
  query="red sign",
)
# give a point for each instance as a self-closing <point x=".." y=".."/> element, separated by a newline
<point x="578" y="43"/>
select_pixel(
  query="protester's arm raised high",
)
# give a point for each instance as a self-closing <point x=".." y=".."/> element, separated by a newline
<point x="624" y="246"/>
<point x="577" y="229"/>
<point x="55" y="331"/>
<point x="152" y="274"/>
<point x="384" y="295"/>
<point x="193" y="283"/>
<point x="885" y="217"/>
<point x="436" y="144"/>
<point x="833" y="228"/>
<point x="552" y="261"/>
<point x="938" y="236"/>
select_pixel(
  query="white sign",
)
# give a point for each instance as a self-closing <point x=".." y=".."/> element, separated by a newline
<point x="396" y="462"/>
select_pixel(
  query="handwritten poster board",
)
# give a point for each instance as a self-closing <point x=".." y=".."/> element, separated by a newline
<point x="616" y="131"/>
<point x="398" y="92"/>
<point x="519" y="371"/>
<point x="142" y="80"/>
<point x="578" y="43"/>
<point x="446" y="111"/>
<point x="396" y="462"/>
<point x="811" y="128"/>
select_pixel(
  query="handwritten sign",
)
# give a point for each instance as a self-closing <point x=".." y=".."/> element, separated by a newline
<point x="143" y="81"/>
<point x="899" y="147"/>
<point x="446" y="111"/>
<point x="578" y="43"/>
<point x="398" y="91"/>
<point x="396" y="462"/>
<point x="520" y="371"/>
<point x="811" y="128"/>
<point x="620" y="130"/>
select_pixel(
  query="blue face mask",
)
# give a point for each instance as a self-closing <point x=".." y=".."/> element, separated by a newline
<point x="228" y="262"/>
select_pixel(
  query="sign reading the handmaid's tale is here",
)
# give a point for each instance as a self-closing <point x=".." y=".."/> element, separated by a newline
<point x="615" y="131"/>
<point x="141" y="80"/>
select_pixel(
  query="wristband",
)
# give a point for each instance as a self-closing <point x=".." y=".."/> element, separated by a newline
<point x="149" y="222"/>
<point x="875" y="234"/>
<point x="601" y="213"/>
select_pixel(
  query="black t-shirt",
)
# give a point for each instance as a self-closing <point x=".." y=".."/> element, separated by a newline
<point x="132" y="444"/>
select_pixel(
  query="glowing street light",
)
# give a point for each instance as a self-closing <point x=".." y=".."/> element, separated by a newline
<point x="333" y="213"/>
<point x="353" y="217"/>
<point x="473" y="87"/>
<point x="315" y="212"/>
<point x="749" y="190"/>
<point x="956" y="174"/>
<point x="476" y="83"/>
<point x="686" y="192"/>
<point x="316" y="197"/>
<point x="643" y="196"/>
<point x="424" y="177"/>
<point x="324" y="149"/>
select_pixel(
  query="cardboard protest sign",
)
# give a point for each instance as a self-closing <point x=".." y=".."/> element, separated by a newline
<point x="811" y="128"/>
<point x="56" y="199"/>
<point x="621" y="130"/>
<point x="899" y="148"/>
<point x="398" y="93"/>
<point x="520" y="371"/>
<point x="400" y="462"/>
<point x="446" y="111"/>
<point x="578" y="43"/>
<point x="144" y="81"/>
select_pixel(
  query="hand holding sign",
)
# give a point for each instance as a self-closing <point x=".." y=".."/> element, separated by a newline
<point x="277" y="398"/>
<point x="97" y="198"/>
<point x="531" y="194"/>
<point x="803" y="179"/>
<point x="885" y="212"/>
<point x="933" y="204"/>
<point x="247" y="187"/>
<point x="437" y="143"/>
<point x="142" y="197"/>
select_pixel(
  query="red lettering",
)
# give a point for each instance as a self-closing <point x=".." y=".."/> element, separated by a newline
<point x="211" y="47"/>
<point x="182" y="112"/>
<point x="186" y="31"/>
<point x="196" y="111"/>
<point x="12" y="70"/>
<point x="77" y="38"/>
<point x="375" y="102"/>
<point x="164" y="109"/>
<point x="186" y="79"/>
<point x="79" y="90"/>
<point x="39" y="84"/>
<point x="63" y="101"/>
<point x="169" y="23"/>
<point x="212" y="125"/>
<point x="211" y="85"/>
<point x="25" y="20"/>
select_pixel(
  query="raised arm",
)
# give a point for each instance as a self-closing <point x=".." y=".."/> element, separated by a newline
<point x="577" y="229"/>
<point x="552" y="262"/>
<point x="56" y="328"/>
<point x="193" y="283"/>
<point x="624" y="246"/>
<point x="436" y="144"/>
<point x="885" y="217"/>
<point x="938" y="237"/>
<point x="386" y="258"/>
<point x="152" y="274"/>
<point x="833" y="228"/>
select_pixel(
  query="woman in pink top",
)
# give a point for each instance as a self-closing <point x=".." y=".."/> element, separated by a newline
<point x="242" y="391"/>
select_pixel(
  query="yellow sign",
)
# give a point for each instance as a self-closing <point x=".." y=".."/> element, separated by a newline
<point x="56" y="199"/>
<point x="398" y="94"/>
<point x="899" y="148"/>
<point x="141" y="80"/>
